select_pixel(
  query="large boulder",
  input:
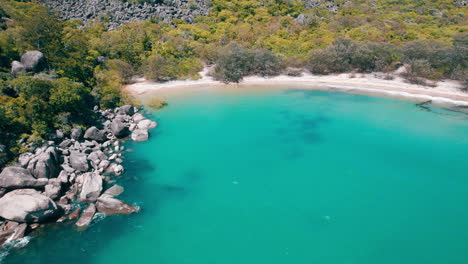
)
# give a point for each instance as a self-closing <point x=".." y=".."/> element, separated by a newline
<point x="17" y="67"/>
<point x="91" y="187"/>
<point x="17" y="178"/>
<point x="139" y="135"/>
<point x="53" y="189"/>
<point x="78" y="161"/>
<point x="86" y="217"/>
<point x="119" y="127"/>
<point x="33" y="61"/>
<point x="113" y="191"/>
<point x="94" y="133"/>
<point x="111" y="206"/>
<point x="146" y="124"/>
<point x="27" y="206"/>
<point x="46" y="164"/>
<point x="126" y="110"/>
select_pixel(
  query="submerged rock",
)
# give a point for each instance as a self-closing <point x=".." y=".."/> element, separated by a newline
<point x="111" y="206"/>
<point x="27" y="206"/>
<point x="16" y="178"/>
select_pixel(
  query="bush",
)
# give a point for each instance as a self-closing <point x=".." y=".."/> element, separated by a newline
<point x="235" y="62"/>
<point x="164" y="69"/>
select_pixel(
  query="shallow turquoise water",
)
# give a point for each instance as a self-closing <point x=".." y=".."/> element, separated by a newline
<point x="284" y="176"/>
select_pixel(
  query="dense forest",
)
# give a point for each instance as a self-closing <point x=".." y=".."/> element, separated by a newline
<point x="86" y="66"/>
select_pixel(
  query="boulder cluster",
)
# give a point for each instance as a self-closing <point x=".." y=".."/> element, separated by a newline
<point x="118" y="12"/>
<point x="72" y="178"/>
<point x="31" y="61"/>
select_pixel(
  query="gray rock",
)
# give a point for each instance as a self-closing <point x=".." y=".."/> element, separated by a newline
<point x="94" y="133"/>
<point x="25" y="158"/>
<point x="91" y="187"/>
<point x="65" y="144"/>
<point x="86" y="217"/>
<point x="146" y="124"/>
<point x="119" y="128"/>
<point x="126" y="110"/>
<point x="7" y="230"/>
<point x="138" y="117"/>
<point x="27" y="206"/>
<point x="113" y="191"/>
<point x="139" y="135"/>
<point x="76" y="133"/>
<point x="46" y="164"/>
<point x="78" y="161"/>
<point x="16" y="178"/>
<point x="33" y="61"/>
<point x="53" y="189"/>
<point x="17" y="67"/>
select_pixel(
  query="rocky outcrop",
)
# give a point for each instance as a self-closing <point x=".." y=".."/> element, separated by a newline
<point x="16" y="178"/>
<point x="53" y="180"/>
<point x="31" y="61"/>
<point x="27" y="206"/>
<point x="118" y="12"/>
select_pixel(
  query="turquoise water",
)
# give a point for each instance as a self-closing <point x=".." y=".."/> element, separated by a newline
<point x="284" y="176"/>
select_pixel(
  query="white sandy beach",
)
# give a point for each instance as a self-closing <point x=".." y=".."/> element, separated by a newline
<point x="446" y="93"/>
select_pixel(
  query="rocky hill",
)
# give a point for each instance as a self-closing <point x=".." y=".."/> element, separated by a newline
<point x="118" y="12"/>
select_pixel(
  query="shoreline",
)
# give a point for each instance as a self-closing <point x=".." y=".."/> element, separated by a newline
<point x="447" y="93"/>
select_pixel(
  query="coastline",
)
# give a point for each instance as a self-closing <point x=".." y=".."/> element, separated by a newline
<point x="445" y="94"/>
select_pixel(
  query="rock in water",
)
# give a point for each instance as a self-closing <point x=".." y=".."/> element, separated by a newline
<point x="111" y="206"/>
<point x="146" y="124"/>
<point x="119" y="127"/>
<point x="113" y="191"/>
<point x="140" y="135"/>
<point x="16" y="178"/>
<point x="91" y="188"/>
<point x="86" y="217"/>
<point x="27" y="206"/>
<point x="94" y="133"/>
<point x="78" y="161"/>
<point x="33" y="61"/>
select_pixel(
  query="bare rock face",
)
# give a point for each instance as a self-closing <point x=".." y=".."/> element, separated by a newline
<point x="27" y="206"/>
<point x="91" y="187"/>
<point x="111" y="206"/>
<point x="86" y="217"/>
<point x="16" y="178"/>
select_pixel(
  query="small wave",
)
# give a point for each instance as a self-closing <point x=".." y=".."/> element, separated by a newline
<point x="98" y="217"/>
<point x="9" y="244"/>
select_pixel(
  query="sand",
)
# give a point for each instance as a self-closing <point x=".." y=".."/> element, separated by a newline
<point x="446" y="93"/>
